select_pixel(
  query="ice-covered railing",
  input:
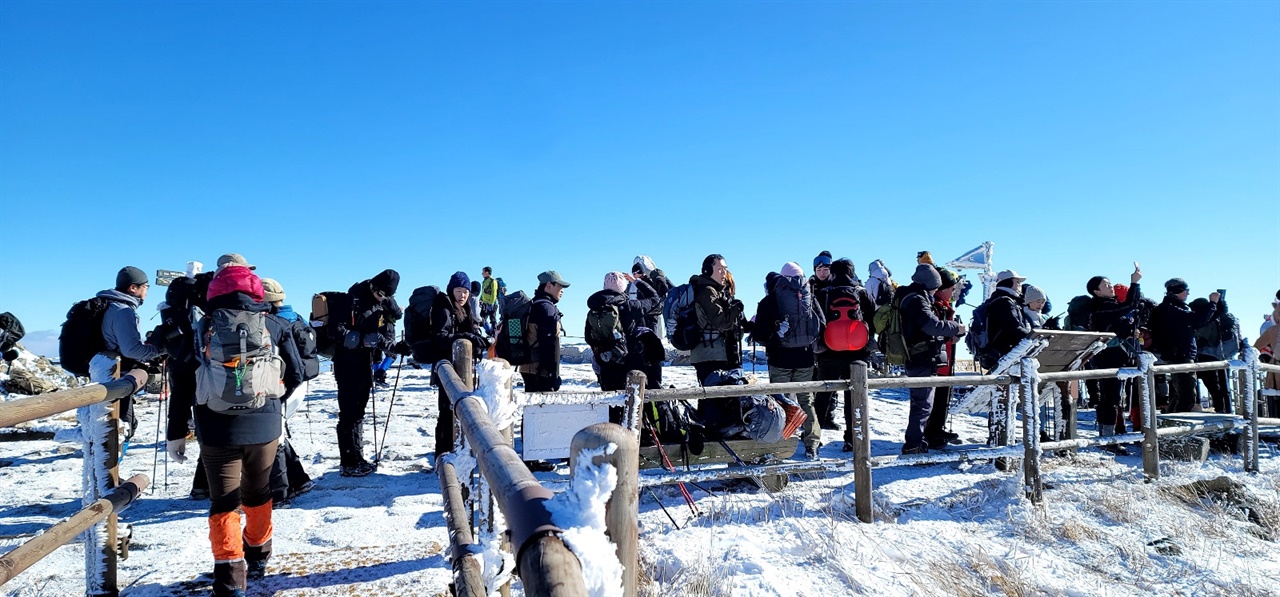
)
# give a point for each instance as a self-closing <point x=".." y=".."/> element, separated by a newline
<point x="580" y="543"/>
<point x="104" y="495"/>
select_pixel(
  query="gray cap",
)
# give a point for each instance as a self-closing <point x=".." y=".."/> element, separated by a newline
<point x="129" y="276"/>
<point x="234" y="259"/>
<point x="926" y="275"/>
<point x="551" y="276"/>
<point x="1010" y="275"/>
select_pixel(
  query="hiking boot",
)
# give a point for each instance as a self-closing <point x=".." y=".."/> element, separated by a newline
<point x="199" y="494"/>
<point x="308" y="486"/>
<point x="936" y="442"/>
<point x="848" y="447"/>
<point x="539" y="466"/>
<point x="795" y="418"/>
<point x="256" y="569"/>
<point x="829" y="425"/>
<point x="362" y="469"/>
<point x="229" y="579"/>
<point x="916" y="449"/>
<point x="1115" y="449"/>
<point x="811" y="452"/>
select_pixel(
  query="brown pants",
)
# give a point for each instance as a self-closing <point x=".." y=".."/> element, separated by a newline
<point x="239" y="478"/>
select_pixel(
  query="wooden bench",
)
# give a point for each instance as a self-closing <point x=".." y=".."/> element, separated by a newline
<point x="748" y="451"/>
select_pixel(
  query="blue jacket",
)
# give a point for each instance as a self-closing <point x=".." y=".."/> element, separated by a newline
<point x="287" y="313"/>
<point x="120" y="327"/>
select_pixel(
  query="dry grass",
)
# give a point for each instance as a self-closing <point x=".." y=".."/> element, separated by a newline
<point x="704" y="578"/>
<point x="1075" y="532"/>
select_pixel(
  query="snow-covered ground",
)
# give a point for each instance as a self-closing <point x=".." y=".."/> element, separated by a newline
<point x="951" y="529"/>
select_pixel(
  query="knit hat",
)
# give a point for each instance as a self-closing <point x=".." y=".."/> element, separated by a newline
<point x="458" y="280"/>
<point x="792" y="268"/>
<point x="1031" y="294"/>
<point x="823" y="258"/>
<point x="1176" y="286"/>
<point x="129" y="276"/>
<point x="234" y="259"/>
<point x="926" y="275"/>
<point x="615" y="281"/>
<point x="387" y="281"/>
<point x="644" y="263"/>
<point x="948" y="277"/>
<point x="272" y="291"/>
<point x="924" y="257"/>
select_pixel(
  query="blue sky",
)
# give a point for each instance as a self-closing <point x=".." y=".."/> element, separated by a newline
<point x="327" y="141"/>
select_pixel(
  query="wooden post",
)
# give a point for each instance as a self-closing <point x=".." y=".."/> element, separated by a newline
<point x="549" y="569"/>
<point x="464" y="366"/>
<point x="622" y="511"/>
<point x="1002" y="420"/>
<point x="633" y="419"/>
<point x="1254" y="398"/>
<point x="1032" y="483"/>
<point x="861" y="440"/>
<point x="1069" y="415"/>
<point x="111" y="448"/>
<point x="1150" y="441"/>
<point x="468" y="578"/>
<point x="22" y="410"/>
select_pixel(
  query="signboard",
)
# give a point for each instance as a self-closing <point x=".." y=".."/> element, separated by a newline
<point x="165" y="277"/>
<point x="549" y="428"/>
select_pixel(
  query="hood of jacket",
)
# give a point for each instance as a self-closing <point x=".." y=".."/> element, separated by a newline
<point x="287" y="313"/>
<point x="700" y="280"/>
<point x="842" y="273"/>
<point x="237" y="300"/>
<point x="879" y="270"/>
<point x="116" y="295"/>
<point x="603" y="298"/>
<point x="790" y="283"/>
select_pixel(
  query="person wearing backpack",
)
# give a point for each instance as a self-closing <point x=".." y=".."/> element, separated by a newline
<point x="616" y="331"/>
<point x="848" y="310"/>
<point x="363" y="326"/>
<point x="542" y="336"/>
<point x="123" y="347"/>
<point x="718" y="319"/>
<point x="1218" y="340"/>
<point x="452" y="319"/>
<point x="1006" y="321"/>
<point x="880" y="284"/>
<point x="488" y="300"/>
<point x="925" y="336"/>
<point x="1175" y="325"/>
<point x="936" y="435"/>
<point x="821" y="272"/>
<point x="289" y="478"/>
<point x="788" y="324"/>
<point x="240" y="389"/>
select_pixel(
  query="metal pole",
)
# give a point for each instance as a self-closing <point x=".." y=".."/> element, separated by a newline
<point x="621" y="512"/>
<point x="861" y="440"/>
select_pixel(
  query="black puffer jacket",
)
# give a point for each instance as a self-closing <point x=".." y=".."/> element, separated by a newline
<point x="544" y="336"/>
<point x="648" y="293"/>
<point x="921" y="327"/>
<point x="631" y="316"/>
<point x="1006" y="324"/>
<point x="1111" y="315"/>
<point x="1174" y="324"/>
<point x="447" y="326"/>
<point x="366" y="315"/>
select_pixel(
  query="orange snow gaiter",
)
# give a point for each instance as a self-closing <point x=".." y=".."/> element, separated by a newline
<point x="224" y="534"/>
<point x="257" y="527"/>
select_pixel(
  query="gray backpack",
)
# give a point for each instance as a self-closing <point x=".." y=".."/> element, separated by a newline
<point x="795" y="308"/>
<point x="240" y="369"/>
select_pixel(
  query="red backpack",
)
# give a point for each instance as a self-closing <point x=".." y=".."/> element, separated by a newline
<point x="845" y="329"/>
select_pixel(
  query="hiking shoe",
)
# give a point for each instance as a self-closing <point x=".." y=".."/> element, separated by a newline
<point x="308" y="486"/>
<point x="936" y="442"/>
<point x="917" y="449"/>
<point x="811" y="452"/>
<point x="848" y="447"/>
<point x="199" y="494"/>
<point x="360" y="470"/>
<point x="539" y="466"/>
<point x="829" y="425"/>
<point x="257" y="569"/>
<point x="1115" y="449"/>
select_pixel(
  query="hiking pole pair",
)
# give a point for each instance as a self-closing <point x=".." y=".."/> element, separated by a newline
<point x="164" y="391"/>
<point x="386" y="428"/>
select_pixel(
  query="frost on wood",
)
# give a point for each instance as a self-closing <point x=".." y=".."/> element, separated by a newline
<point x="496" y="563"/>
<point x="95" y="423"/>
<point x="981" y="397"/>
<point x="494" y="381"/>
<point x="580" y="511"/>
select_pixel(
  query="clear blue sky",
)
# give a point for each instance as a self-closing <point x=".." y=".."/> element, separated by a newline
<point x="327" y="141"/>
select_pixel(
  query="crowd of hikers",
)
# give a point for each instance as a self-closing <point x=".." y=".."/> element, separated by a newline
<point x="237" y="358"/>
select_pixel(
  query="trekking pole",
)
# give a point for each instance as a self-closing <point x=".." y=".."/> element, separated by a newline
<point x="386" y="428"/>
<point x="164" y="391"/>
<point x="373" y="411"/>
<point x="664" y="508"/>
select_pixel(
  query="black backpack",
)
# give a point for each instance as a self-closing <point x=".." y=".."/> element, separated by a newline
<point x="417" y="322"/>
<point x="323" y="306"/>
<point x="512" y="344"/>
<point x="81" y="336"/>
<point x="605" y="334"/>
<point x="307" y="340"/>
<point x="10" y="331"/>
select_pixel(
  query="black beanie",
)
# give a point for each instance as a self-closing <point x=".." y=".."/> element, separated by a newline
<point x="387" y="281"/>
<point x="1175" y="286"/>
<point x="129" y="276"/>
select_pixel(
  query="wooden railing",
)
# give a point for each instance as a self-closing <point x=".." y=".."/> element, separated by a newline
<point x="105" y="496"/>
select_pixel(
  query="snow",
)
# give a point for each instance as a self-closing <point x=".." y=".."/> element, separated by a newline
<point x="580" y="512"/>
<point x="947" y="528"/>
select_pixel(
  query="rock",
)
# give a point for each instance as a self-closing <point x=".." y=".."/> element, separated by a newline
<point x="1166" y="546"/>
<point x="1194" y="449"/>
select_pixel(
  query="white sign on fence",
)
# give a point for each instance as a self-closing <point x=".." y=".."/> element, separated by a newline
<point x="549" y="428"/>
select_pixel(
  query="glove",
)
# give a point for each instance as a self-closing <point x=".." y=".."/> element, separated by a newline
<point x="177" y="449"/>
<point x="477" y="340"/>
<point x="402" y="348"/>
<point x="736" y="305"/>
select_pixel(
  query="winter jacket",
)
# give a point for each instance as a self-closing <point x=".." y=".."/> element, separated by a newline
<point x="262" y="425"/>
<point x="878" y="283"/>
<point x="632" y="316"/>
<point x="366" y="316"/>
<point x="120" y="328"/>
<point x="1111" y="315"/>
<point x="1174" y="324"/>
<point x="1220" y="337"/>
<point x="489" y="291"/>
<point x="641" y="290"/>
<point x="543" y="336"/>
<point x="287" y="313"/>
<point x="946" y="312"/>
<point x="769" y="324"/>
<point x="720" y="319"/>
<point x="448" y="325"/>
<point x="843" y="284"/>
<point x="924" y="334"/>
<point x="1006" y="323"/>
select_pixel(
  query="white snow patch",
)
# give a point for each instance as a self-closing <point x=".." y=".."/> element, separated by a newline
<point x="580" y="511"/>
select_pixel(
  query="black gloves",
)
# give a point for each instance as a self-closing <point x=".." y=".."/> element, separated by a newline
<point x="402" y="348"/>
<point x="477" y="340"/>
<point x="736" y="305"/>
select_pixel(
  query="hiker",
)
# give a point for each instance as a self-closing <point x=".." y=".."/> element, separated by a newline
<point x="452" y="319"/>
<point x="821" y="272"/>
<point x="477" y="311"/>
<point x="1007" y="324"/>
<point x="363" y="326"/>
<point x="649" y="280"/>
<point x="1268" y="344"/>
<point x="843" y="301"/>
<point x="788" y="323"/>
<point x="880" y="284"/>
<point x="616" y="331"/>
<point x="289" y="479"/>
<point x="719" y="320"/>
<point x="936" y="435"/>
<point x="1034" y="302"/>
<point x="238" y="442"/>
<point x="1217" y="340"/>
<point x="125" y="349"/>
<point x="542" y="374"/>
<point x="488" y="300"/>
<point x="925" y="336"/>
<point x="1175" y="325"/>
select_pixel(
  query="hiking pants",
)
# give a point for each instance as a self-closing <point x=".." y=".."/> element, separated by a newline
<point x="239" y="480"/>
<point x="937" y="423"/>
<point x="354" y="373"/>
<point x="444" y="423"/>
<point x="1182" y="390"/>
<point x="1110" y="388"/>
<point x="287" y="473"/>
<point x="809" y="431"/>
<point x="824" y="403"/>
<point x="921" y="406"/>
<point x="1216" y="381"/>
